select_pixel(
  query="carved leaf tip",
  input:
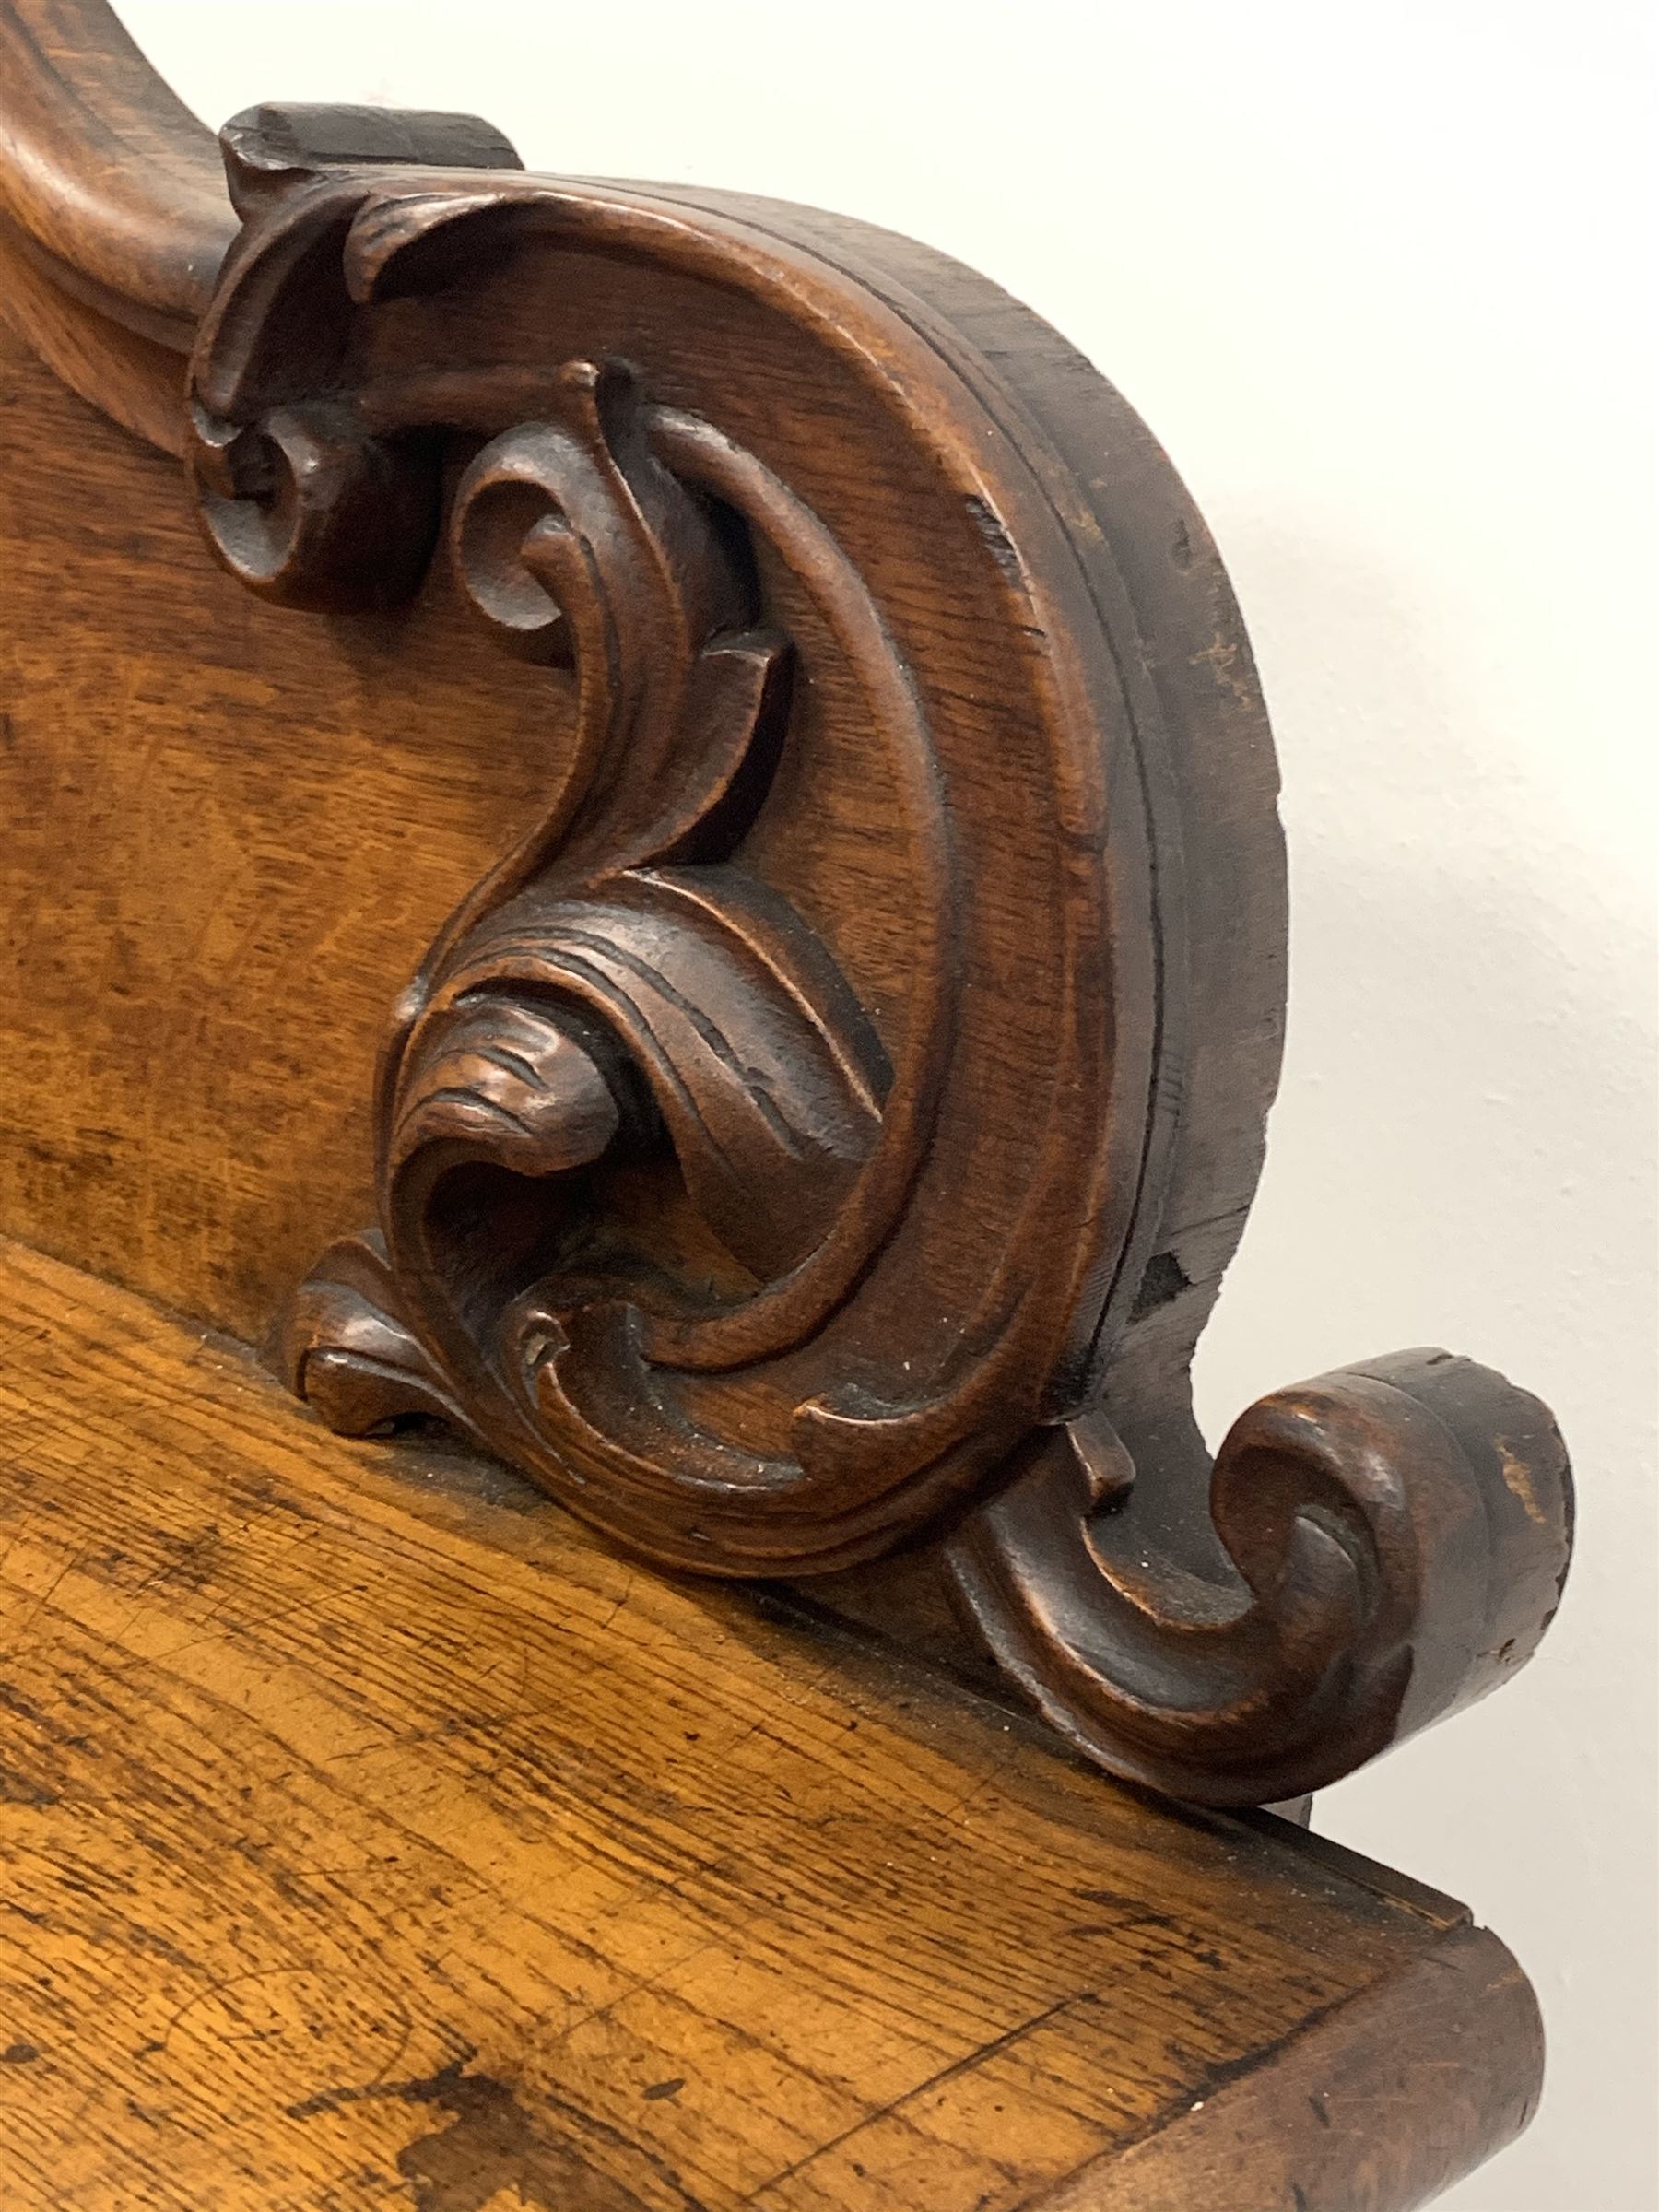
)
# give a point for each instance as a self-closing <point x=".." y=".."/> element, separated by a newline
<point x="514" y="1082"/>
<point x="272" y="148"/>
<point x="343" y="1346"/>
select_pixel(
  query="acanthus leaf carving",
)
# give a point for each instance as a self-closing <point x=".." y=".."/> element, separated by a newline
<point x="763" y="1250"/>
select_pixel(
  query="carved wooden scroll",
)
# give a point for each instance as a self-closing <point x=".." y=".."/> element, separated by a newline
<point x="819" y="1142"/>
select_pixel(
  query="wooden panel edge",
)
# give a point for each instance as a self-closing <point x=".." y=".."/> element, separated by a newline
<point x="1354" y="1867"/>
<point x="1378" y="2105"/>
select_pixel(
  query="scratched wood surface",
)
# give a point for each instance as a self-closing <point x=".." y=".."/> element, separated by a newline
<point x="373" y="1836"/>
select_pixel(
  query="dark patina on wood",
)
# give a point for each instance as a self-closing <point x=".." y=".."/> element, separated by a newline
<point x="823" y="1135"/>
<point x="814" y="1150"/>
<point x="811" y="1154"/>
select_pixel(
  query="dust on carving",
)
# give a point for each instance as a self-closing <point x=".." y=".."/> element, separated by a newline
<point x="493" y="2143"/>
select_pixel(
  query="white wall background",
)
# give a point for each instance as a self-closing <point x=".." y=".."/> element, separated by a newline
<point x="1381" y="277"/>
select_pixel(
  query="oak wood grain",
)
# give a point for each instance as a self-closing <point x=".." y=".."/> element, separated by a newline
<point x="226" y="827"/>
<point x="374" y="1835"/>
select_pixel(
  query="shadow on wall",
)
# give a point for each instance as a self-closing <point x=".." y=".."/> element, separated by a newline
<point x="1464" y="1127"/>
<point x="1462" y="1153"/>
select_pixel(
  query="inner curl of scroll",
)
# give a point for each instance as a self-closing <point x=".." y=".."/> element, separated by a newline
<point x="626" y="1072"/>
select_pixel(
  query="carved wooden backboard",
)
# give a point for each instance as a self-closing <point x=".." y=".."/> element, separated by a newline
<point x="812" y="1151"/>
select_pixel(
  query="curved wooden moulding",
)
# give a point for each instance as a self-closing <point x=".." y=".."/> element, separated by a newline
<point x="817" y="1142"/>
<point x="113" y="220"/>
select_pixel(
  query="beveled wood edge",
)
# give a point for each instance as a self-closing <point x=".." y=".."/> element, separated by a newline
<point x="134" y="380"/>
<point x="106" y="177"/>
<point x="1380" y="2104"/>
<point x="115" y="218"/>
